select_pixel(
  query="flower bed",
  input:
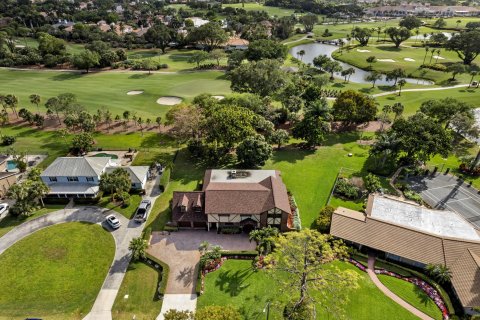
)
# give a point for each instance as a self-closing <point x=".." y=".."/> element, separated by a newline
<point x="429" y="290"/>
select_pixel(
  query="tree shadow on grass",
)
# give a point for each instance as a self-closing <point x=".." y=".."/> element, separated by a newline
<point x="389" y="48"/>
<point x="158" y="140"/>
<point x="233" y="282"/>
<point x="423" y="298"/>
<point x="291" y="153"/>
<point x="139" y="76"/>
<point x="67" y="76"/>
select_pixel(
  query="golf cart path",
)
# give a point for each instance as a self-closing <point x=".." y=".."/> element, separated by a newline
<point x="122" y="236"/>
<point x="390" y="294"/>
<point x="419" y="90"/>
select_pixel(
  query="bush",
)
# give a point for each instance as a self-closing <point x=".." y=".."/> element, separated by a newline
<point x="164" y="180"/>
<point x="324" y="219"/>
<point x="435" y="66"/>
<point x="346" y="189"/>
<point x="89" y="201"/>
<point x="164" y="269"/>
<point x="8" y="140"/>
<point x="412" y="195"/>
<point x="230" y="230"/>
<point x="147" y="233"/>
<point x="170" y="229"/>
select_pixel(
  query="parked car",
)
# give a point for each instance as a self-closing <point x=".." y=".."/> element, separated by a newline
<point x="3" y="208"/>
<point x="113" y="221"/>
<point x="141" y="214"/>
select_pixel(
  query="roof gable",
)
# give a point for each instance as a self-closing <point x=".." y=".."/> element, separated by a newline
<point x="76" y="166"/>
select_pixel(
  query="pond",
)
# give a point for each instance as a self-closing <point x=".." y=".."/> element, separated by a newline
<point x="313" y="50"/>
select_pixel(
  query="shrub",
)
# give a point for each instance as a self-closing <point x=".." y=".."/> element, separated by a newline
<point x="8" y="140"/>
<point x="147" y="233"/>
<point x="324" y="219"/>
<point x="346" y="189"/>
<point x="164" y="179"/>
<point x="372" y="183"/>
<point x="230" y="230"/>
<point x="435" y="66"/>
<point x="412" y="195"/>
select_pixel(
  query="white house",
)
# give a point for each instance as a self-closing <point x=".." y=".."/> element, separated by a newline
<point x="79" y="177"/>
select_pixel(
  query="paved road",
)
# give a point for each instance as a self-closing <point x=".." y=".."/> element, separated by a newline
<point x="450" y="193"/>
<point x="179" y="251"/>
<point x="390" y="294"/>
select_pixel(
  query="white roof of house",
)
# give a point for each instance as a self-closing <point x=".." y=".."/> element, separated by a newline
<point x="73" y="188"/>
<point x="76" y="167"/>
<point x="137" y="173"/>
<point x="254" y="176"/>
<point x="439" y="222"/>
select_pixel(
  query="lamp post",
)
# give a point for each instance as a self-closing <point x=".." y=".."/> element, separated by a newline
<point x="267" y="310"/>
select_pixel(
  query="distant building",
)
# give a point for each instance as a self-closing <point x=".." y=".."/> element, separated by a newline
<point x="418" y="9"/>
<point x="242" y="198"/>
<point x="235" y="43"/>
<point x="198" y="22"/>
<point x="412" y="234"/>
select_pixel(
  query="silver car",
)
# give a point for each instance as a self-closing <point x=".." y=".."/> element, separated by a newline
<point x="113" y="221"/>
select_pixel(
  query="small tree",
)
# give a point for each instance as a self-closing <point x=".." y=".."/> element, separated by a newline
<point x="217" y="55"/>
<point x="264" y="238"/>
<point x="372" y="183"/>
<point x="82" y="142"/>
<point x="322" y="223"/>
<point x="116" y="183"/>
<point x="373" y="77"/>
<point x="174" y="314"/>
<point x="309" y="21"/>
<point x="254" y="151"/>
<point x="198" y="57"/>
<point x="279" y="137"/>
<point x="138" y="247"/>
<point x="158" y="121"/>
<point x="398" y="35"/>
<point x="455" y="69"/>
<point x="217" y="313"/>
<point x="401" y="84"/>
<point x="35" y="99"/>
<point x="439" y="272"/>
<point x="86" y="60"/>
<point x="371" y="60"/>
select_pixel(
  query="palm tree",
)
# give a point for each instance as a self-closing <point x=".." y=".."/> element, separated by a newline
<point x="265" y="239"/>
<point x="431" y="55"/>
<point x="12" y="101"/>
<point x="379" y="30"/>
<point x="35" y="99"/>
<point x="417" y="32"/>
<point x="301" y="53"/>
<point x="401" y="83"/>
<point x="473" y="73"/>
<point x="425" y="57"/>
<point x="108" y="119"/>
<point x="438" y="55"/>
<point x="203" y="247"/>
<point x="397" y="109"/>
<point x="138" y="247"/>
<point x="373" y="77"/>
<point x="439" y="272"/>
<point x="158" y="120"/>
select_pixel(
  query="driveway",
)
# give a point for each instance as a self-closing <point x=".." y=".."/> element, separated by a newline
<point x="123" y="235"/>
<point x="179" y="250"/>
<point x="444" y="191"/>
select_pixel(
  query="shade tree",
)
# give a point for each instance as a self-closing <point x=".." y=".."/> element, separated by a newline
<point x="398" y="35"/>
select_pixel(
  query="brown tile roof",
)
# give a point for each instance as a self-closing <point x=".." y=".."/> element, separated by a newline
<point x="245" y="198"/>
<point x="237" y="42"/>
<point x="461" y="256"/>
<point x="188" y="199"/>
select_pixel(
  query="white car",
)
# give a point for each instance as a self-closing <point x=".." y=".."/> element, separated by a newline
<point x="113" y="221"/>
<point x="3" y="208"/>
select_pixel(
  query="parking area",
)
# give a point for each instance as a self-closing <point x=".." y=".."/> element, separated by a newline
<point x="449" y="193"/>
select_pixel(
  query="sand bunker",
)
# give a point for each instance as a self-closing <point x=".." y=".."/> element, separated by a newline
<point x="169" y="101"/>
<point x="409" y="59"/>
<point x="360" y="50"/>
<point x="438" y="57"/>
<point x="134" y="92"/>
<point x="386" y="60"/>
<point x="218" y="97"/>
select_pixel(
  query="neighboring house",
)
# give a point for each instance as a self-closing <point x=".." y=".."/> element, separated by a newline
<point x="412" y="234"/>
<point x="236" y="44"/>
<point x="243" y="198"/>
<point x="138" y="175"/>
<point x="197" y="22"/>
<point x="7" y="179"/>
<point x="79" y="177"/>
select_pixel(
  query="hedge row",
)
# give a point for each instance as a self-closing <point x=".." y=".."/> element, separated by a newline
<point x="165" y="270"/>
<point x="164" y="179"/>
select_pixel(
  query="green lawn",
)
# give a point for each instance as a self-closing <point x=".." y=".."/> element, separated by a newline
<point x="109" y="89"/>
<point x="412" y="294"/>
<point x="10" y="222"/>
<point x="251" y="6"/>
<point x="140" y="284"/>
<point x="236" y="284"/>
<point x="358" y="59"/>
<point x="56" y="272"/>
<point x="128" y="211"/>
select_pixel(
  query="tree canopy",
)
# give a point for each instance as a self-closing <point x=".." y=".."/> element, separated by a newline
<point x="354" y="107"/>
<point x="466" y="45"/>
<point x="398" y="35"/>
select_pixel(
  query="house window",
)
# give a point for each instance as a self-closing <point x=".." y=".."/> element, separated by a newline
<point x="90" y="179"/>
<point x="53" y="179"/>
<point x="274" y="218"/>
<point x="72" y="179"/>
<point x="223" y="217"/>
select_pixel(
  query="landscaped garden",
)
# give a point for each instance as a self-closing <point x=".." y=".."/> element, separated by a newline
<point x="56" y="272"/>
<point x="236" y="284"/>
<point x="127" y="210"/>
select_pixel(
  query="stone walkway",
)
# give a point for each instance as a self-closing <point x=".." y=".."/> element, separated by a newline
<point x="390" y="294"/>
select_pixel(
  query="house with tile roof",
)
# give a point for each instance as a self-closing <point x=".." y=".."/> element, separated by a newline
<point x="242" y="198"/>
<point x="79" y="177"/>
<point x="416" y="235"/>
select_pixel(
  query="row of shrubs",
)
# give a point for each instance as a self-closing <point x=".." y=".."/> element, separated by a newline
<point x="165" y="179"/>
<point x="139" y="65"/>
<point x="434" y="66"/>
<point x="163" y="270"/>
<point x="346" y="189"/>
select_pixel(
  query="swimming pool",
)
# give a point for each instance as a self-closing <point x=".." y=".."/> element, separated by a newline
<point x="11" y="165"/>
<point x="113" y="156"/>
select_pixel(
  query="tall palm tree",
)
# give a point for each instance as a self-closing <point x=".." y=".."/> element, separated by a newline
<point x="417" y="32"/>
<point x="35" y="99"/>
<point x="473" y="73"/>
<point x="401" y="83"/>
<point x="397" y="109"/>
<point x="438" y="55"/>
<point x="138" y="247"/>
<point x="301" y="53"/>
<point x="425" y="57"/>
<point x="432" y="52"/>
<point x="439" y="272"/>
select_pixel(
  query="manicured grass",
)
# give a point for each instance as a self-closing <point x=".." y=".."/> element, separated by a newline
<point x="10" y="222"/>
<point x="310" y="175"/>
<point x="140" y="284"/>
<point x="251" y="6"/>
<point x="398" y="55"/>
<point x="452" y="22"/>
<point x="109" y="89"/>
<point x="55" y="273"/>
<point x="413" y="100"/>
<point x="412" y="294"/>
<point x="236" y="284"/>
<point x="128" y="211"/>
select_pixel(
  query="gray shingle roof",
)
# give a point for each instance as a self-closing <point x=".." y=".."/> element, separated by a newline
<point x="76" y="167"/>
<point x="137" y="173"/>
